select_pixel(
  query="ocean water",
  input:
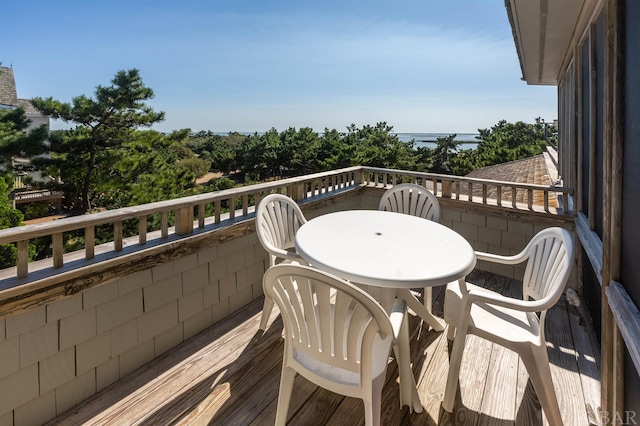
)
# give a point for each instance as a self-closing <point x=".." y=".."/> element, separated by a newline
<point x="468" y="140"/>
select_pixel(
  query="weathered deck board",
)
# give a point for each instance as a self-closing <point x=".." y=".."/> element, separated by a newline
<point x="588" y="365"/>
<point x="498" y="407"/>
<point x="564" y="367"/>
<point x="229" y="374"/>
<point x="528" y="409"/>
<point x="474" y="369"/>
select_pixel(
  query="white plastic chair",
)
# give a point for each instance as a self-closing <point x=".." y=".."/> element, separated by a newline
<point x="415" y="200"/>
<point x="336" y="336"/>
<point x="278" y="218"/>
<point x="513" y="323"/>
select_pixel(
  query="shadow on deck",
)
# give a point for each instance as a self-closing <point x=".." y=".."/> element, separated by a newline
<point x="229" y="375"/>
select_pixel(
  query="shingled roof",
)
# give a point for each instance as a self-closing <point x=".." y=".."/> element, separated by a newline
<point x="538" y="170"/>
<point x="9" y="94"/>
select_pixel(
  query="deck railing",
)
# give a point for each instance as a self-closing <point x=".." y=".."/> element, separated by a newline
<point x="37" y="195"/>
<point x="185" y="211"/>
<point x="553" y="199"/>
<point x="213" y="208"/>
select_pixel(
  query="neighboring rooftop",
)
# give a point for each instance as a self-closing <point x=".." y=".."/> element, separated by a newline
<point x="538" y="170"/>
<point x="9" y="93"/>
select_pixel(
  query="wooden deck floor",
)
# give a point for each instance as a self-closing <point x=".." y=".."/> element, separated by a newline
<point x="229" y="375"/>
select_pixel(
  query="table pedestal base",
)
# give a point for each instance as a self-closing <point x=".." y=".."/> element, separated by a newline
<point x="419" y="308"/>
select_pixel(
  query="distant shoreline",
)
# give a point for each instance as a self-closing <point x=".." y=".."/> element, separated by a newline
<point x="426" y="139"/>
<point x="404" y="136"/>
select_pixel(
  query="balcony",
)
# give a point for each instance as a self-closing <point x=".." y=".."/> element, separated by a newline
<point x="161" y="327"/>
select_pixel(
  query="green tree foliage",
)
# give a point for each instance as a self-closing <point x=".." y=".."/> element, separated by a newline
<point x="377" y="147"/>
<point x="300" y="151"/>
<point x="502" y="143"/>
<point x="145" y="169"/>
<point x="446" y="149"/>
<point x="219" y="151"/>
<point x="294" y="152"/>
<point x="424" y="158"/>
<point x="9" y="217"/>
<point x="333" y="153"/>
<point x="15" y="140"/>
<point x="104" y="123"/>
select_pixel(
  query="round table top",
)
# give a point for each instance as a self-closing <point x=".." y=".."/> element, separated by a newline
<point x="385" y="249"/>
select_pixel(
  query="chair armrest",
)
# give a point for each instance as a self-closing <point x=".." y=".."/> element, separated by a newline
<point x="284" y="254"/>
<point x="397" y="316"/>
<point x="475" y="296"/>
<point x="506" y="260"/>
<point x="291" y="255"/>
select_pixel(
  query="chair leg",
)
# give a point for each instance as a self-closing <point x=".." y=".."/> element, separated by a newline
<point x="373" y="407"/>
<point x="284" y="395"/>
<point x="266" y="312"/>
<point x="428" y="298"/>
<point x="537" y="365"/>
<point x="454" y="370"/>
<point x="451" y="332"/>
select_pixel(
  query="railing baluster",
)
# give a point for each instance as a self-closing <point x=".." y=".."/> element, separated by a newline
<point x="530" y="199"/>
<point x="514" y="194"/>
<point x="164" y="224"/>
<point x="232" y="207"/>
<point x="22" y="267"/>
<point x="202" y="209"/>
<point x="457" y="190"/>
<point x="446" y="188"/>
<point x="184" y="220"/>
<point x="58" y="252"/>
<point x="470" y="189"/>
<point x="117" y="235"/>
<point x="218" y="209"/>
<point x="546" y="200"/>
<point x="245" y="204"/>
<point x="142" y="230"/>
<point x="90" y="242"/>
<point x="484" y="193"/>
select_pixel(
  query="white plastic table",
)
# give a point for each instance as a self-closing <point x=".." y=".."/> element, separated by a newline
<point x="393" y="252"/>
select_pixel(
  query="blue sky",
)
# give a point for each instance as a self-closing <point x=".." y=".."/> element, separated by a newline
<point x="249" y="65"/>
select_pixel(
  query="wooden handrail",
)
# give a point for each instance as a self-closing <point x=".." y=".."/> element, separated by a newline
<point x="627" y="318"/>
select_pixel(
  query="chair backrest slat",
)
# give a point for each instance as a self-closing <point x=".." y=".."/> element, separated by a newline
<point x="278" y="218"/>
<point x="327" y="318"/>
<point x="550" y="254"/>
<point x="412" y="199"/>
